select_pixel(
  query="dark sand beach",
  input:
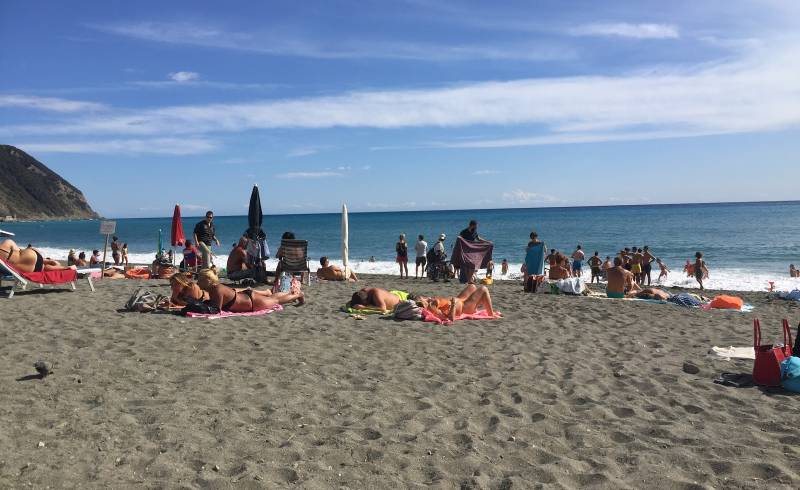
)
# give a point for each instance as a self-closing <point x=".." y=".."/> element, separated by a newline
<point x="564" y="392"/>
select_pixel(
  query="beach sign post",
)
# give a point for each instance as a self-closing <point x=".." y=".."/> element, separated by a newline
<point x="107" y="228"/>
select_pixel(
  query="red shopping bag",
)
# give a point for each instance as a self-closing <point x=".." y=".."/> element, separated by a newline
<point x="767" y="367"/>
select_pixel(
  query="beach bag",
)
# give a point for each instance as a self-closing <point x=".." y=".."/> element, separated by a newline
<point x="196" y="306"/>
<point x="723" y="302"/>
<point x="286" y="283"/>
<point x="145" y="301"/>
<point x="767" y="365"/>
<point x="407" y="310"/>
<point x="532" y="283"/>
<point x="790" y="374"/>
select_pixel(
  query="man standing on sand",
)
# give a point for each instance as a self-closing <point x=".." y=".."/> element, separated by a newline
<point x="606" y="265"/>
<point x="620" y="281"/>
<point x="577" y="261"/>
<point x="470" y="233"/>
<point x="647" y="264"/>
<point x="204" y="234"/>
<point x="421" y="247"/>
<point x="636" y="265"/>
<point x="595" y="262"/>
<point x="115" y="248"/>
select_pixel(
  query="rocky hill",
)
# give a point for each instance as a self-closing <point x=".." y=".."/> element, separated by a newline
<point x="30" y="190"/>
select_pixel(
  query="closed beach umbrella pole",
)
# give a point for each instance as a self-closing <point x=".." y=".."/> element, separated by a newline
<point x="158" y="250"/>
<point x="176" y="236"/>
<point x="254" y="215"/>
<point x="345" y="241"/>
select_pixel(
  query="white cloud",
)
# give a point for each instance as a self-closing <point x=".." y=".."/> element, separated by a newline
<point x="309" y="175"/>
<point x="301" y="152"/>
<point x="623" y="29"/>
<point x="184" y="76"/>
<point x="282" y="42"/>
<point x="518" y="196"/>
<point x="485" y="172"/>
<point x="759" y="92"/>
<point x="49" y="103"/>
<point x="160" y="146"/>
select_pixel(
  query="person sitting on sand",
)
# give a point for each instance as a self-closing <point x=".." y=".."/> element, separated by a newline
<point x="649" y="293"/>
<point x="664" y="270"/>
<point x="82" y="262"/>
<point x="330" y="272"/>
<point x="72" y="258"/>
<point x="471" y="299"/>
<point x="560" y="268"/>
<point x="620" y="280"/>
<point x="27" y="259"/>
<point x="185" y="289"/>
<point x="376" y="299"/>
<point x="237" y="259"/>
<point x="594" y="263"/>
<point x="95" y="259"/>
<point x="242" y="300"/>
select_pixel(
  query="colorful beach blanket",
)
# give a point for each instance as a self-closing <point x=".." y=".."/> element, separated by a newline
<point x="228" y="314"/>
<point x="354" y="311"/>
<point x="427" y="316"/>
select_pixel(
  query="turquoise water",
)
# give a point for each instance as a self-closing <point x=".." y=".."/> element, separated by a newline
<point x="738" y="239"/>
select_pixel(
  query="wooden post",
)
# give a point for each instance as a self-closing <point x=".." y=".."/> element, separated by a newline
<point x="103" y="264"/>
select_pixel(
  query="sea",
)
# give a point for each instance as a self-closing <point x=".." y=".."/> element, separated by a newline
<point x="747" y="246"/>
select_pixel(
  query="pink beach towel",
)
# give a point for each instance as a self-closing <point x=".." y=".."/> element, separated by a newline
<point x="226" y="314"/>
<point x="478" y="315"/>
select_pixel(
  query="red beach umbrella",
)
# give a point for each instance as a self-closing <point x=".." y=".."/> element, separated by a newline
<point x="177" y="237"/>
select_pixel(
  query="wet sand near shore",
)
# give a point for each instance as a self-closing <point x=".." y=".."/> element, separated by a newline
<point x="563" y="392"/>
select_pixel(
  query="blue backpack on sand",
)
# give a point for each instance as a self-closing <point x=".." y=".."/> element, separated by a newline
<point x="790" y="374"/>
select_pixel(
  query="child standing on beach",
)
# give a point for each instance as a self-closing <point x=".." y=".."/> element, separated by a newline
<point x="401" y="248"/>
<point x="504" y="267"/>
<point x="700" y="269"/>
<point x="664" y="270"/>
<point x="125" y="255"/>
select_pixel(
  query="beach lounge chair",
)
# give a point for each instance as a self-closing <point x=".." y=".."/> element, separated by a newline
<point x="295" y="258"/>
<point x="56" y="277"/>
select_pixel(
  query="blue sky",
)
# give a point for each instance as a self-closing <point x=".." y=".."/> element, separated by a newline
<point x="416" y="104"/>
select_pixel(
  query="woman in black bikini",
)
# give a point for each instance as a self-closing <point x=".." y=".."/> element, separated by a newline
<point x="27" y="259"/>
<point x="242" y="300"/>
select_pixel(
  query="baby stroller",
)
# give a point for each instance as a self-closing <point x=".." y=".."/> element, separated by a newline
<point x="438" y="267"/>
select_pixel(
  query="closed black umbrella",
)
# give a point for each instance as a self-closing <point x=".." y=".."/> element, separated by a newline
<point x="255" y="219"/>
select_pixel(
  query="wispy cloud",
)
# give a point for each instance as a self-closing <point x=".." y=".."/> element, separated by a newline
<point x="309" y="175"/>
<point x="519" y="196"/>
<point x="184" y="76"/>
<point x="49" y="103"/>
<point x="159" y="146"/>
<point x="284" y="43"/>
<point x="622" y="29"/>
<point x="485" y="172"/>
<point x="758" y="92"/>
<point x="301" y="152"/>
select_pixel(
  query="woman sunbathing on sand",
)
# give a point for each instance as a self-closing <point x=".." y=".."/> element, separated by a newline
<point x="649" y="293"/>
<point x="468" y="301"/>
<point x="27" y="259"/>
<point x="242" y="300"/>
<point x="185" y="289"/>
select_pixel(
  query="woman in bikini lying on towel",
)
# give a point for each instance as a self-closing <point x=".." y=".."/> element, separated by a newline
<point x="185" y="289"/>
<point x="468" y="301"/>
<point x="242" y="300"/>
<point x="27" y="259"/>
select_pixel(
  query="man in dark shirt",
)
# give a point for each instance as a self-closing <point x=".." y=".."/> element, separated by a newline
<point x="204" y="234"/>
<point x="470" y="233"/>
